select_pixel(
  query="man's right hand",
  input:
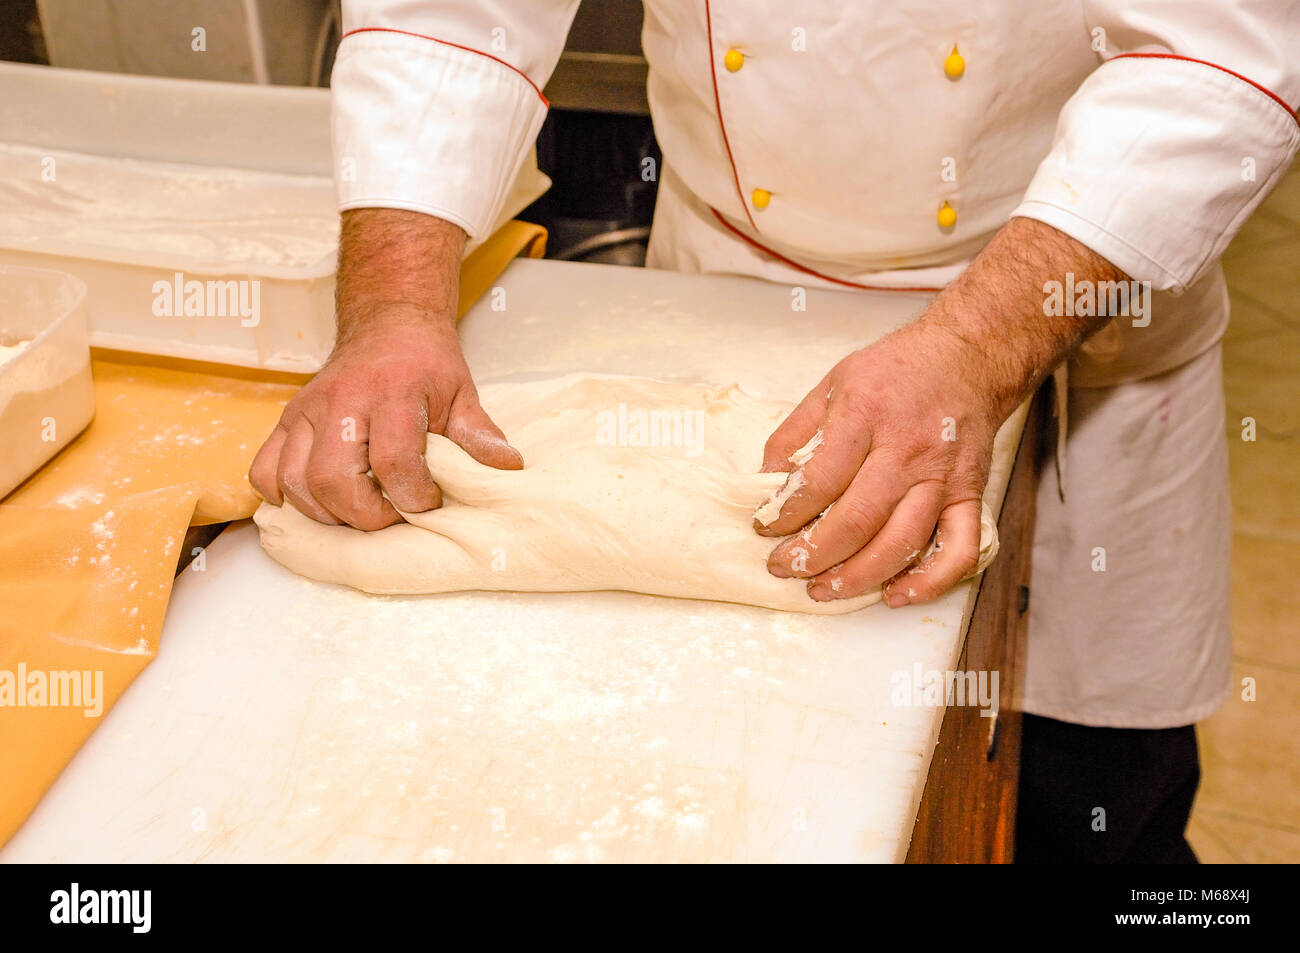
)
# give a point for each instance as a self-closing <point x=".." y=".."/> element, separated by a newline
<point x="396" y="374"/>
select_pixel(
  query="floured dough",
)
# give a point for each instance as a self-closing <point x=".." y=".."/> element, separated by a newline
<point x="629" y="483"/>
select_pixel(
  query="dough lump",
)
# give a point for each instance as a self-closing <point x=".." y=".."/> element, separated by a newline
<point x="629" y="483"/>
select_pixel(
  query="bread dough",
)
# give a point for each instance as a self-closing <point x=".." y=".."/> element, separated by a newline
<point x="629" y="483"/>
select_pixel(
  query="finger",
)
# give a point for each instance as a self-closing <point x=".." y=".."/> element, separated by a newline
<point x="337" y="479"/>
<point x="262" y="474"/>
<point x="902" y="539"/>
<point x="846" y="525"/>
<point x="952" y="556"/>
<point x="291" y="473"/>
<point x="827" y="471"/>
<point x="397" y="444"/>
<point x="471" y="428"/>
<point x="795" y="431"/>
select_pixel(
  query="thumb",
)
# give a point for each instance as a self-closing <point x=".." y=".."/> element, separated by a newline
<point x="469" y="426"/>
<point x="795" y="431"/>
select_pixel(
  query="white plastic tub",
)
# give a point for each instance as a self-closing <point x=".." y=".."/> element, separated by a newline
<point x="47" y="395"/>
<point x="262" y="243"/>
<point x="140" y="186"/>
<point x="127" y="182"/>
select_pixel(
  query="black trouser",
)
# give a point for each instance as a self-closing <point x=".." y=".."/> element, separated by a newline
<point x="1105" y="795"/>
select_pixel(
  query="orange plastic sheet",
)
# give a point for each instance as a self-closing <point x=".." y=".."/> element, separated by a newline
<point x="89" y="545"/>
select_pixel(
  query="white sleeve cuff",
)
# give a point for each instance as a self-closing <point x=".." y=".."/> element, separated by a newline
<point x="429" y="126"/>
<point x="1158" y="161"/>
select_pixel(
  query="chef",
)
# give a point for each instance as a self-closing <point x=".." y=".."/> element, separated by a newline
<point x="994" y="153"/>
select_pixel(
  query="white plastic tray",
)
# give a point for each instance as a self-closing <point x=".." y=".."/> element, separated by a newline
<point x="124" y="181"/>
<point x="142" y="186"/>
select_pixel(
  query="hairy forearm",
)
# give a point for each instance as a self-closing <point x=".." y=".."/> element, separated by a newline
<point x="396" y="265"/>
<point x="993" y="315"/>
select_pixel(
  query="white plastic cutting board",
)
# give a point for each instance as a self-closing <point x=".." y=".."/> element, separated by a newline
<point x="290" y="720"/>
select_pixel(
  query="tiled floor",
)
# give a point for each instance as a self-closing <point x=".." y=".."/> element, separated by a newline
<point x="1248" y="809"/>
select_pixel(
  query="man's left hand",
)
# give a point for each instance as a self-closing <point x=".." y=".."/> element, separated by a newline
<point x="907" y="425"/>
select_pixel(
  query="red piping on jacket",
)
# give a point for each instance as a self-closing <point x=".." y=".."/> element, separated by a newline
<point x="1223" y="69"/>
<point x="717" y="102"/>
<point x="808" y="271"/>
<point x="468" y="49"/>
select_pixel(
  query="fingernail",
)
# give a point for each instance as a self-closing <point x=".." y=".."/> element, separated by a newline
<point x="778" y="570"/>
<point x="896" y="600"/>
<point x="821" y="592"/>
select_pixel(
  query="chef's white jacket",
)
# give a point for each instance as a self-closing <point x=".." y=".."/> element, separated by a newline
<point x="835" y="143"/>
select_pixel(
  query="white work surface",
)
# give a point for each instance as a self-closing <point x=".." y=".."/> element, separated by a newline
<point x="290" y="720"/>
